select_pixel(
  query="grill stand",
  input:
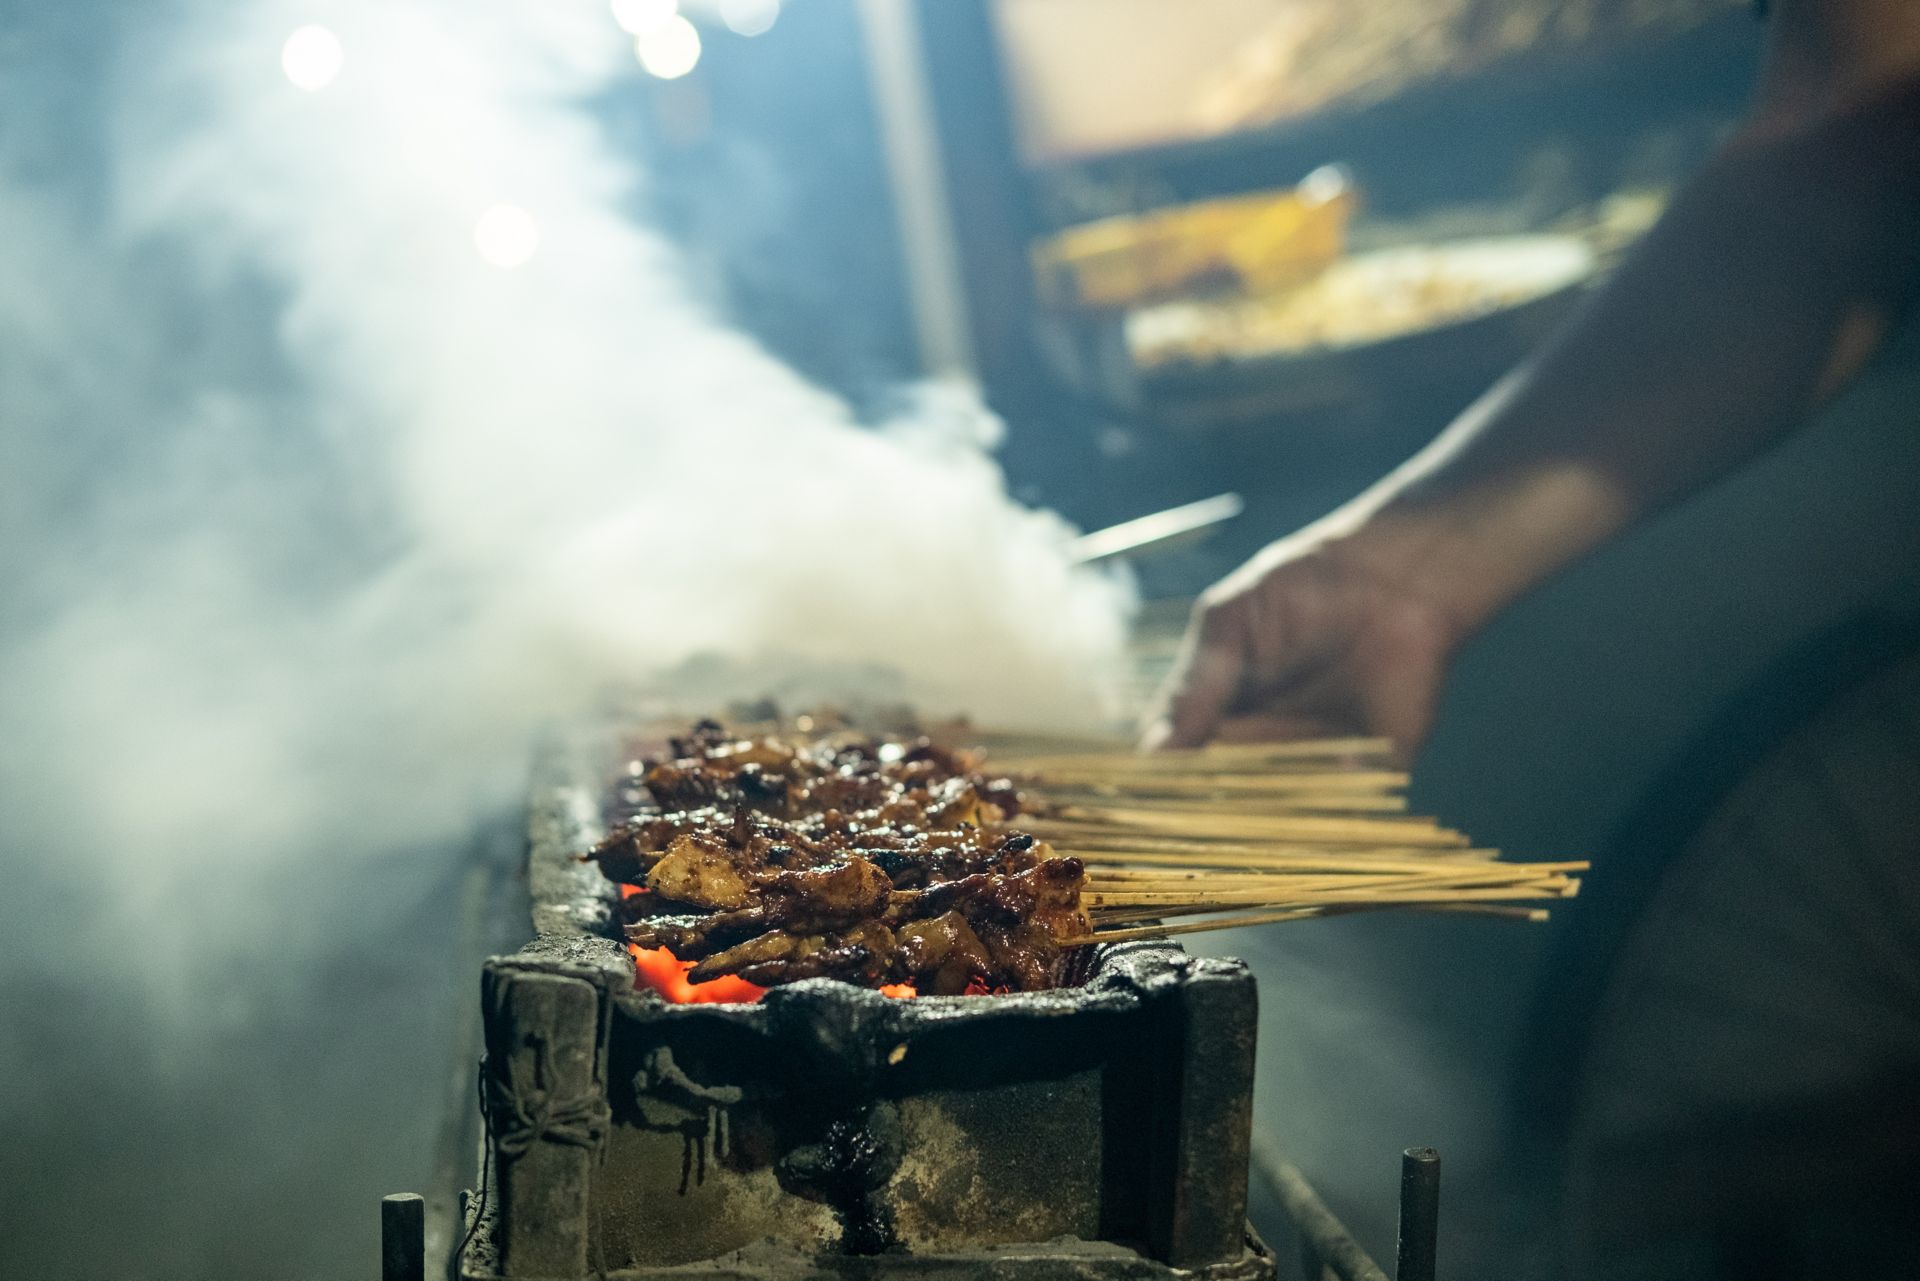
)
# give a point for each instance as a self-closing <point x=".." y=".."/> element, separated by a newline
<point x="830" y="1132"/>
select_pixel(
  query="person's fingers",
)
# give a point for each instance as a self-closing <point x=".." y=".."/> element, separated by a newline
<point x="1400" y="699"/>
<point x="1270" y="727"/>
<point x="1203" y="682"/>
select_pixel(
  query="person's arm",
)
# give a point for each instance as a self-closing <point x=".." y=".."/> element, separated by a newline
<point x="1769" y="281"/>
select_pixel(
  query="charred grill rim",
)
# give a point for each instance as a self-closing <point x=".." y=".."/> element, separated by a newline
<point x="573" y="921"/>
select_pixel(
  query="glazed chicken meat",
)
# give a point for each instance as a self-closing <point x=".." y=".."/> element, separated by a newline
<point x="869" y="862"/>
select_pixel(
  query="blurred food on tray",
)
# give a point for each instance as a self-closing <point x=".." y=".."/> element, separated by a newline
<point x="1364" y="299"/>
<point x="1255" y="243"/>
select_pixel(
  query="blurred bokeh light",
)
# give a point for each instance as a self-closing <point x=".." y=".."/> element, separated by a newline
<point x="638" y="17"/>
<point x="506" y="236"/>
<point x="669" y="50"/>
<point x="312" y="57"/>
<point x="749" y="17"/>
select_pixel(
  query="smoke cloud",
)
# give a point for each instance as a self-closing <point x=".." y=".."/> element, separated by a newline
<point x="312" y="517"/>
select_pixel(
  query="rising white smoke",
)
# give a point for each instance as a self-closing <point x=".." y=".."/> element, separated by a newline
<point x="292" y="595"/>
<point x="486" y="494"/>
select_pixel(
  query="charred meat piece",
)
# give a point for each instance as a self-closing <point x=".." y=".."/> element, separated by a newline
<point x="848" y="792"/>
<point x="702" y="870"/>
<point x="822" y="897"/>
<point x="958" y="803"/>
<point x="863" y="955"/>
<point x="1020" y="917"/>
<point x="629" y="852"/>
<point x="764" y="790"/>
<point x="705" y="736"/>
<point x="682" y="785"/>
<point x="1046" y="894"/>
<point x="684" y="933"/>
<point x="943" y="956"/>
<point x="807" y="902"/>
<point x="854" y="859"/>
<point x="944" y="861"/>
<point x="1025" y="955"/>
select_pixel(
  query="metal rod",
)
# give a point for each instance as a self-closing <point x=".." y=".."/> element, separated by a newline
<point x="1321" y="1233"/>
<point x="1419" y="1214"/>
<point x="1143" y="532"/>
<point x="403" y="1237"/>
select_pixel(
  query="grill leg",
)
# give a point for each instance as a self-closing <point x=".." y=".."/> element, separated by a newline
<point x="1419" y="1214"/>
<point x="403" y="1238"/>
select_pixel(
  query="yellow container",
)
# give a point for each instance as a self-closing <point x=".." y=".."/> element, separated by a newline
<point x="1257" y="243"/>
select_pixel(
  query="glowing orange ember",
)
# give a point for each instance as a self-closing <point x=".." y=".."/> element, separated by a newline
<point x="665" y="973"/>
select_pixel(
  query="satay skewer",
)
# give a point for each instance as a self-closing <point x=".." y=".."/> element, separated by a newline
<point x="1209" y="784"/>
<point x="1283" y="805"/>
<point x="1282" y="886"/>
<point x="1295" y="750"/>
<point x="1262" y="858"/>
<point x="1156" y="932"/>
<point x="1287" y="902"/>
<point x="1518" y="881"/>
<point x="1069" y="822"/>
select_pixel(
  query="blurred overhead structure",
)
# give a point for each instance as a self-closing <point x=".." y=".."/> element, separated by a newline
<point x="896" y="64"/>
<point x="1206" y="68"/>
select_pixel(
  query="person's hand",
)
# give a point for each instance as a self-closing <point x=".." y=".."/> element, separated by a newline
<point x="1309" y="638"/>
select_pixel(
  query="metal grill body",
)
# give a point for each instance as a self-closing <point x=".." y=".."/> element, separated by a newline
<point x="828" y="1130"/>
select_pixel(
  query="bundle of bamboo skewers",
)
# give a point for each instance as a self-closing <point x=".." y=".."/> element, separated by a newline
<point x="1235" y="835"/>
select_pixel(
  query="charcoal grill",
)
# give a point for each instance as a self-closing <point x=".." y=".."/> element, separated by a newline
<point x="1099" y="1131"/>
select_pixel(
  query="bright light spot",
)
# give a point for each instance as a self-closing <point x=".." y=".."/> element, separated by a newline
<point x="311" y="57"/>
<point x="670" y="50"/>
<point x="1328" y="182"/>
<point x="638" y="17"/>
<point x="506" y="235"/>
<point x="749" y="17"/>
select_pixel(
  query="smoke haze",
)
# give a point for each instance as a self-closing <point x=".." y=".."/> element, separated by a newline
<point x="312" y="517"/>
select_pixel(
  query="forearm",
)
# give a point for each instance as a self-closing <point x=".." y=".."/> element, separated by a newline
<point x="1767" y="282"/>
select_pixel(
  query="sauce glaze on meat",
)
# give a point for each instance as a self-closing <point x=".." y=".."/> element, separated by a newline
<point x="873" y="862"/>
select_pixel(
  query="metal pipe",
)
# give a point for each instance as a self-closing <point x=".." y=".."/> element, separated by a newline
<point x="1159" y="528"/>
<point x="1419" y="1214"/>
<point x="1322" y="1235"/>
<point x="403" y="1237"/>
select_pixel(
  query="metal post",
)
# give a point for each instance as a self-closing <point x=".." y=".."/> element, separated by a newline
<point x="1419" y="1214"/>
<point x="403" y="1237"/>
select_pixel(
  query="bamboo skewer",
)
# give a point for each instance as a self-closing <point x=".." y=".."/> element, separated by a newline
<point x="1070" y="823"/>
<point x="1551" y="884"/>
<point x="1257" y="833"/>
<point x="1121" y="754"/>
<point x="1281" y="805"/>
<point x="1301" y="889"/>
<point x="1250" y="834"/>
<point x="1248" y="858"/>
<point x="1155" y="932"/>
<point x="1288" y="902"/>
<point x="1228" y="785"/>
<point x="1416" y="862"/>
